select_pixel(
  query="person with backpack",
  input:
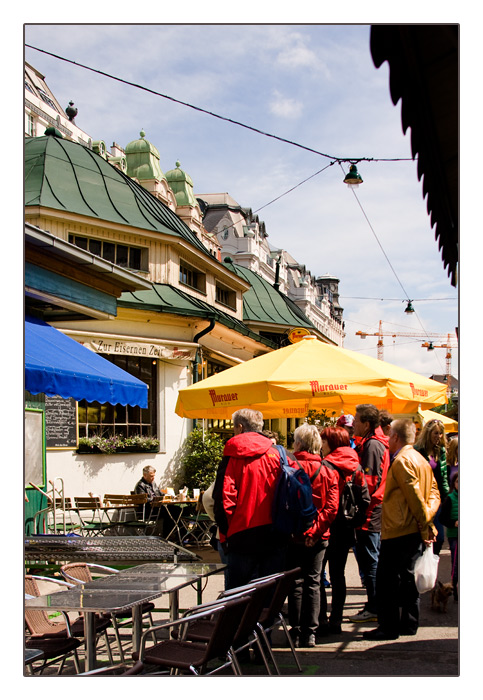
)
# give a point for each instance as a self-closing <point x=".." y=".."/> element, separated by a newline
<point x="306" y="550"/>
<point x="344" y="462"/>
<point x="243" y="496"/>
<point x="373" y="451"/>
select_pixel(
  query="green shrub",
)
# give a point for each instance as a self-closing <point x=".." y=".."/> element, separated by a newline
<point x="202" y="453"/>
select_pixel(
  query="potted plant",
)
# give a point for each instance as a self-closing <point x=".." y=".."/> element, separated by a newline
<point x="202" y="453"/>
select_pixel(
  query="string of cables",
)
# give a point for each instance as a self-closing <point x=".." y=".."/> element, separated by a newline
<point x="211" y="114"/>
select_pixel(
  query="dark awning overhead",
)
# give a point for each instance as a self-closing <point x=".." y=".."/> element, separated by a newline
<point x="424" y="75"/>
<point x="56" y="365"/>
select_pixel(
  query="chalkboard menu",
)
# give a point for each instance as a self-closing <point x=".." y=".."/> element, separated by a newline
<point x="60" y="422"/>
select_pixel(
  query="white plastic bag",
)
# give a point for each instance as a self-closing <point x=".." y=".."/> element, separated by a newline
<point x="426" y="570"/>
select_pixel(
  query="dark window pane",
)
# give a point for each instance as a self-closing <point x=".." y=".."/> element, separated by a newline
<point x="120" y="413"/>
<point x="81" y="242"/>
<point x="93" y="412"/>
<point x="135" y="258"/>
<point x="82" y="412"/>
<point x="109" y="251"/>
<point x="95" y="247"/>
<point x="122" y="255"/>
<point x="133" y="414"/>
<point x="107" y="413"/>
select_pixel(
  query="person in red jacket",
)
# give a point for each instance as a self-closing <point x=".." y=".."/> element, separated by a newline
<point x="343" y="460"/>
<point x="243" y="495"/>
<point x="307" y="550"/>
<point x="373" y="451"/>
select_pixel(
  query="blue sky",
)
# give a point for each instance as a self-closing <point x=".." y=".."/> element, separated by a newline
<point x="315" y="85"/>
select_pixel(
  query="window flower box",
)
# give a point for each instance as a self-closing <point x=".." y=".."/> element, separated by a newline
<point x="116" y="444"/>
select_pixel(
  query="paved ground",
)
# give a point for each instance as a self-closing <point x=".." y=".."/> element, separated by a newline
<point x="434" y="651"/>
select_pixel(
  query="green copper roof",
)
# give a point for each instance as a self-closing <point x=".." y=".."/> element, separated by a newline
<point x="164" y="298"/>
<point x="264" y="304"/>
<point x="142" y="159"/>
<point x="182" y="186"/>
<point x="67" y="176"/>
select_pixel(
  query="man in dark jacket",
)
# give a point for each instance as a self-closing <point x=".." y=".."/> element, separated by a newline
<point x="373" y="451"/>
<point x="243" y="495"/>
<point x="147" y="485"/>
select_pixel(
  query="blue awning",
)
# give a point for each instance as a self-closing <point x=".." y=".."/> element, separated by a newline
<point x="56" y="365"/>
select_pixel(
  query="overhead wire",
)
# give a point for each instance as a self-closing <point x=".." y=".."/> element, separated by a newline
<point x="213" y="114"/>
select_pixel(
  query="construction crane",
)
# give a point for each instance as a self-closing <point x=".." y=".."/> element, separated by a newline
<point x="448" y="345"/>
<point x="380" y="334"/>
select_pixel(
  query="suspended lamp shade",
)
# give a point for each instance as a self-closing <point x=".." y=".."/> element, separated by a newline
<point x="409" y="308"/>
<point x="353" y="179"/>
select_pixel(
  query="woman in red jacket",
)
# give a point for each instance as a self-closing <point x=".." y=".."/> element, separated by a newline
<point x="343" y="460"/>
<point x="307" y="551"/>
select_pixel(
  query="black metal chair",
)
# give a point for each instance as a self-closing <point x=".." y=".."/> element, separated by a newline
<point x="272" y="615"/>
<point x="180" y="654"/>
<point x="247" y="635"/>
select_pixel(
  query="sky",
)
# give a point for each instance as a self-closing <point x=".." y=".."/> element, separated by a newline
<point x="311" y="84"/>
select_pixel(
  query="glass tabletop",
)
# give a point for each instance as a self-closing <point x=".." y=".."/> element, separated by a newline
<point x="196" y="569"/>
<point x="94" y="600"/>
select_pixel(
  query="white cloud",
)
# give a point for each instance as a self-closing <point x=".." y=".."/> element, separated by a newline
<point x="285" y="107"/>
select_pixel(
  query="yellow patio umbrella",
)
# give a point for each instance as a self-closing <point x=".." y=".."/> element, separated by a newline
<point x="307" y="375"/>
<point x="449" y="425"/>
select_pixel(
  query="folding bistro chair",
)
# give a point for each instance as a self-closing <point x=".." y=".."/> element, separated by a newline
<point x="153" y="511"/>
<point x="197" y="526"/>
<point x="272" y="615"/>
<point x="91" y="516"/>
<point x="41" y="626"/>
<point x="193" y="657"/>
<point x="132" y="505"/>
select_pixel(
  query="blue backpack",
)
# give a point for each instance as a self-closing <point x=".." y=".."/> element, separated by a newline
<point x="293" y="510"/>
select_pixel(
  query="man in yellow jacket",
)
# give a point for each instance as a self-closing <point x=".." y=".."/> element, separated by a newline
<point x="411" y="500"/>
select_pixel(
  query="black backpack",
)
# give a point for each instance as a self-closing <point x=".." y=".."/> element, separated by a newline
<point x="354" y="499"/>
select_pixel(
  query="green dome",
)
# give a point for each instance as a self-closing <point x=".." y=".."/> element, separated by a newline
<point x="143" y="159"/>
<point x="182" y="186"/>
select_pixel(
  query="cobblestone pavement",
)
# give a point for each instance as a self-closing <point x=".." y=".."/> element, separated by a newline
<point x="434" y="651"/>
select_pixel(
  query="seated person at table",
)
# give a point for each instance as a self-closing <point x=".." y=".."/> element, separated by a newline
<point x="147" y="485"/>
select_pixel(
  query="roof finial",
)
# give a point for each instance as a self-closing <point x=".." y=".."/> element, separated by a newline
<point x="178" y="163"/>
<point x="142" y="133"/>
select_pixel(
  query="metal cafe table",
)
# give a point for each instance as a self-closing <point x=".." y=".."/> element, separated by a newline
<point x="125" y="551"/>
<point x="126" y="590"/>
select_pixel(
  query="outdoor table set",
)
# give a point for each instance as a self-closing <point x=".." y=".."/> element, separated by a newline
<point x="115" y="515"/>
<point x="123" y="591"/>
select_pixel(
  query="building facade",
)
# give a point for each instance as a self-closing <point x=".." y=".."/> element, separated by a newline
<point x="194" y="310"/>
